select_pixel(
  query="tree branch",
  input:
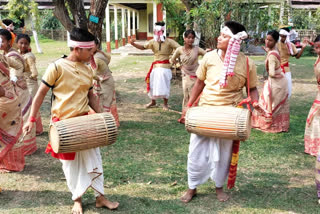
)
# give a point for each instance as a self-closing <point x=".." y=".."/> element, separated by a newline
<point x="61" y="13"/>
<point x="97" y="8"/>
<point x="79" y="14"/>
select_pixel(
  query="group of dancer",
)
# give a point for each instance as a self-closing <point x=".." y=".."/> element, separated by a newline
<point x="82" y="82"/>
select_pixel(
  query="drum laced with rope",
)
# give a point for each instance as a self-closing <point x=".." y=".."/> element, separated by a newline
<point x="84" y="132"/>
<point x="225" y="122"/>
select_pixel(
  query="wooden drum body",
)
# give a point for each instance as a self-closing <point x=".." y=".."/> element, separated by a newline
<point x="84" y="132"/>
<point x="219" y="121"/>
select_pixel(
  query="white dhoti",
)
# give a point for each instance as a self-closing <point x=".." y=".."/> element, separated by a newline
<point x="288" y="76"/>
<point x="160" y="83"/>
<point x="83" y="172"/>
<point x="208" y="158"/>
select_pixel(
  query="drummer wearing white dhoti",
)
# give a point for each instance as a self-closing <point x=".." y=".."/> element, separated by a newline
<point x="71" y="82"/>
<point x="159" y="75"/>
<point x="287" y="49"/>
<point x="221" y="77"/>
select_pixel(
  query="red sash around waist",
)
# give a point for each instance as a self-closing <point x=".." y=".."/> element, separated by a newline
<point x="284" y="65"/>
<point x="147" y="79"/>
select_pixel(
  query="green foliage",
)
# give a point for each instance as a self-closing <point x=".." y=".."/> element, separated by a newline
<point x="316" y="17"/>
<point x="300" y="19"/>
<point x="49" y="21"/>
<point x="176" y="17"/>
<point x="211" y="14"/>
<point x="21" y="9"/>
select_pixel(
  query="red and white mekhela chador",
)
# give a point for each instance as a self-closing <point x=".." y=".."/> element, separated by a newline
<point x="17" y="74"/>
<point x="274" y="114"/>
<point x="11" y="152"/>
<point x="70" y="82"/>
<point x="312" y="131"/>
<point x="159" y="75"/>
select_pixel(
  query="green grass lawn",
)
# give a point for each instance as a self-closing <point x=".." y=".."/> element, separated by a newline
<point x="145" y="170"/>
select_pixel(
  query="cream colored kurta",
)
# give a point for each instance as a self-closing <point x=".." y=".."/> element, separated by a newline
<point x="167" y="48"/>
<point x="285" y="53"/>
<point x="210" y="72"/>
<point x="71" y="82"/>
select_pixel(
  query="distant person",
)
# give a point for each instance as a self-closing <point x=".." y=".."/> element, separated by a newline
<point x="293" y="35"/>
<point x="273" y="114"/>
<point x="188" y="55"/>
<point x="30" y="71"/>
<point x="103" y="83"/>
<point x="159" y="76"/>
<point x="287" y="49"/>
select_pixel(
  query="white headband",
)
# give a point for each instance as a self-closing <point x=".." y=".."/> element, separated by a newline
<point x="283" y="32"/>
<point x="77" y="44"/>
<point x="158" y="28"/>
<point x="241" y="35"/>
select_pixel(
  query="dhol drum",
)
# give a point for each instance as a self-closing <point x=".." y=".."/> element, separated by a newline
<point x="219" y="121"/>
<point x="83" y="132"/>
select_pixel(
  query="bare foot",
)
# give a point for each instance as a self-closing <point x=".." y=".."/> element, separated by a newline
<point x="187" y="197"/>
<point x="149" y="105"/>
<point x="77" y="207"/>
<point x="222" y="196"/>
<point x="165" y="107"/>
<point x="101" y="201"/>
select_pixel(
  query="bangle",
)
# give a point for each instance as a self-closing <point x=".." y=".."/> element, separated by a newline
<point x="32" y="119"/>
<point x="189" y="105"/>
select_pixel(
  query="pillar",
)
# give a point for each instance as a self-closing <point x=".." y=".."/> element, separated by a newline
<point x="108" y="29"/>
<point x="115" y="9"/>
<point x="134" y="24"/>
<point x="129" y="26"/>
<point x="123" y="26"/>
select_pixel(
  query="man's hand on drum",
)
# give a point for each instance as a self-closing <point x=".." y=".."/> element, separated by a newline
<point x="183" y="115"/>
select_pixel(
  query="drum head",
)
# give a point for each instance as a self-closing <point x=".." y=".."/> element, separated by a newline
<point x="54" y="138"/>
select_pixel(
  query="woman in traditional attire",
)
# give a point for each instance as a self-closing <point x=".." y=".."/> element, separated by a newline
<point x="11" y="152"/>
<point x="17" y="75"/>
<point x="30" y="72"/>
<point x="312" y="131"/>
<point x="188" y="57"/>
<point x="103" y="83"/>
<point x="273" y="114"/>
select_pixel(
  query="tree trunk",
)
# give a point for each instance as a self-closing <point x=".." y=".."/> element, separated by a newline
<point x="97" y="8"/>
<point x="80" y="20"/>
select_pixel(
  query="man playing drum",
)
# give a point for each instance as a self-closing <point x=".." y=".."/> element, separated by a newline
<point x="221" y="77"/>
<point x="71" y="82"/>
